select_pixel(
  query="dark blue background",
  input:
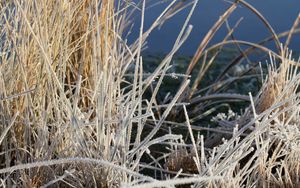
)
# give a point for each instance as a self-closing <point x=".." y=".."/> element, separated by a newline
<point x="281" y="14"/>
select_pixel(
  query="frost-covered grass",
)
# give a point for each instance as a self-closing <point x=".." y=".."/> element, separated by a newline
<point x="75" y="108"/>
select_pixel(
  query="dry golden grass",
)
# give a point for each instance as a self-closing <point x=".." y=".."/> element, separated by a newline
<point x="62" y="58"/>
<point x="65" y="118"/>
<point x="71" y="115"/>
<point x="275" y="89"/>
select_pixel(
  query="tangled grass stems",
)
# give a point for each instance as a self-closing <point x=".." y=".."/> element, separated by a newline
<point x="70" y="116"/>
<point x="74" y="160"/>
<point x="73" y="55"/>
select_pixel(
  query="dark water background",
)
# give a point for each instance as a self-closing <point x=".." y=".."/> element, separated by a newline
<point x="281" y="14"/>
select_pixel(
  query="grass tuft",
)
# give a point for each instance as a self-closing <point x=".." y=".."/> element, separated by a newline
<point x="77" y="108"/>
